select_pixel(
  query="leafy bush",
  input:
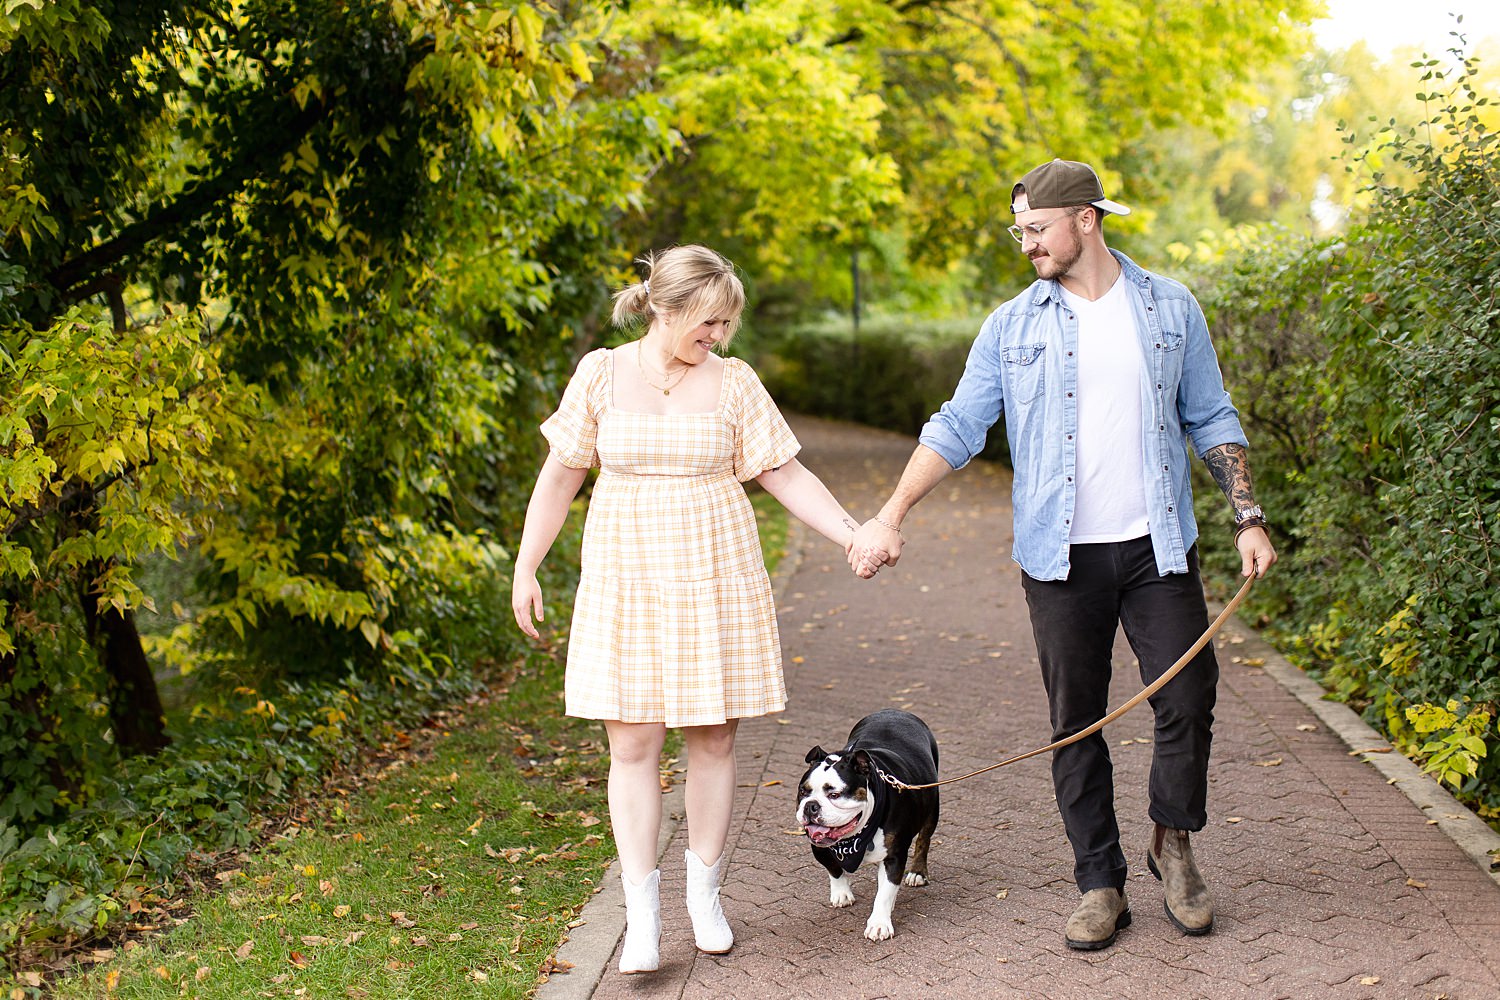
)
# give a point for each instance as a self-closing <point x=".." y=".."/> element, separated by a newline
<point x="1368" y="369"/>
<point x="894" y="374"/>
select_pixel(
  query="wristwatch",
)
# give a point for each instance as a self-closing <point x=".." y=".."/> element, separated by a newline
<point x="1248" y="514"/>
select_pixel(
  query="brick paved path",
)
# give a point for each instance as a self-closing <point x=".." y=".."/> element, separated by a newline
<point x="1329" y="882"/>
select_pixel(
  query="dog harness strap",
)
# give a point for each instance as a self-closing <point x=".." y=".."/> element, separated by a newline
<point x="851" y="850"/>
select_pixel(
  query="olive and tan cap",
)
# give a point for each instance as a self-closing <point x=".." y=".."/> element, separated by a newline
<point x="1063" y="184"/>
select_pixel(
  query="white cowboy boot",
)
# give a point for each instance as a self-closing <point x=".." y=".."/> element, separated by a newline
<point x="710" y="929"/>
<point x="641" y="951"/>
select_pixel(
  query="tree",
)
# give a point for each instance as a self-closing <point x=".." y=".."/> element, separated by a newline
<point x="322" y="232"/>
<point x="900" y="126"/>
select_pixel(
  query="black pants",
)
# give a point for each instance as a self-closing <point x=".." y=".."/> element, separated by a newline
<point x="1074" y="623"/>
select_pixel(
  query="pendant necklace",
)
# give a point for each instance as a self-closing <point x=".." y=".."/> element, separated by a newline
<point x="666" y="390"/>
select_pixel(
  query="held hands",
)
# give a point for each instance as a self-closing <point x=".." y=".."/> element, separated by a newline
<point x="1256" y="552"/>
<point x="873" y="545"/>
<point x="525" y="601"/>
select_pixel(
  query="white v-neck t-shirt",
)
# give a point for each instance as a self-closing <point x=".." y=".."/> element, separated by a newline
<point x="1110" y="504"/>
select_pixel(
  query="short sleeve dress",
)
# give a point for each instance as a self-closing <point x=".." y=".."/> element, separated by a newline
<point x="674" y="620"/>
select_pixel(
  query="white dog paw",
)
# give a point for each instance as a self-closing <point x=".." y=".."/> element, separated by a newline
<point x="912" y="878"/>
<point x="840" y="897"/>
<point x="879" y="930"/>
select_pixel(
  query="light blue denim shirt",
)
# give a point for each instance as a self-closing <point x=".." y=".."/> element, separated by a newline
<point x="1022" y="366"/>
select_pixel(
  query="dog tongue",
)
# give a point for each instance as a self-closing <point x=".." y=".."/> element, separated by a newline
<point x="824" y="835"/>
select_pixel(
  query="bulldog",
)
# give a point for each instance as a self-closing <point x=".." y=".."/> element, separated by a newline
<point x="852" y="815"/>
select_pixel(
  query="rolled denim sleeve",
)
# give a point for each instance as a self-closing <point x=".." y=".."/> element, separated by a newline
<point x="1203" y="404"/>
<point x="958" y="430"/>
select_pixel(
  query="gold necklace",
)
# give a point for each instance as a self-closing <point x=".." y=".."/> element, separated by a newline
<point x="666" y="390"/>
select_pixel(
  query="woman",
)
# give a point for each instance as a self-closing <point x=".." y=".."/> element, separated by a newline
<point x="674" y="623"/>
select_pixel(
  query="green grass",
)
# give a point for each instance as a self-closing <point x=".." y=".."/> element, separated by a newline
<point x="450" y="867"/>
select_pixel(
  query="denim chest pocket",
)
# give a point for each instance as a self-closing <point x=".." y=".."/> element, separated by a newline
<point x="1024" y="371"/>
<point x="1170" y="340"/>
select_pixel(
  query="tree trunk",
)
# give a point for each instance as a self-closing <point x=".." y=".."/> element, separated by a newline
<point x="135" y="710"/>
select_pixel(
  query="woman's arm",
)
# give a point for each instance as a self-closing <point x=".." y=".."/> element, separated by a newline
<point x="556" y="486"/>
<point x="805" y="496"/>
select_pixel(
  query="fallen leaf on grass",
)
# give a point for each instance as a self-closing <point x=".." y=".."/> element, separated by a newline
<point x="244" y="950"/>
<point x="314" y="940"/>
<point x="298" y="959"/>
<point x="203" y="973"/>
<point x="354" y="937"/>
<point x="398" y="917"/>
<point x="342" y="910"/>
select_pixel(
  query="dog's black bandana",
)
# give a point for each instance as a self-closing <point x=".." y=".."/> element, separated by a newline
<point x="851" y="850"/>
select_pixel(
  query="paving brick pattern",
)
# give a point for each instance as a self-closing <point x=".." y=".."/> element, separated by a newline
<point x="1328" y="882"/>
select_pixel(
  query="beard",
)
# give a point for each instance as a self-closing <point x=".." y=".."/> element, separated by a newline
<point x="1056" y="262"/>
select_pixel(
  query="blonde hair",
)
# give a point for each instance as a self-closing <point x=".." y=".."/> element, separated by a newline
<point x="684" y="286"/>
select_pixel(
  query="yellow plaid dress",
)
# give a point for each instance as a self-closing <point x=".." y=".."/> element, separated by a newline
<point x="674" y="620"/>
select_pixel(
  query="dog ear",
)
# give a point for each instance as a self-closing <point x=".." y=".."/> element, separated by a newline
<point x="815" y="754"/>
<point x="862" y="762"/>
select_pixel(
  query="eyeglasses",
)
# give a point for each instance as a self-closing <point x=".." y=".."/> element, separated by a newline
<point x="1019" y="233"/>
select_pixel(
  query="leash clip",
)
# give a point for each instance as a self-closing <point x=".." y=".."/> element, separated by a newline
<point x="891" y="779"/>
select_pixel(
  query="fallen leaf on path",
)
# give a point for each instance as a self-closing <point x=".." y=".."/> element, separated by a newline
<point x="1274" y="762"/>
<point x="554" y="964"/>
<point x="1235" y="819"/>
<point x="1355" y="753"/>
<point x="1307" y="727"/>
<point x="768" y="784"/>
<point x="1415" y="884"/>
<point x="1369" y="980"/>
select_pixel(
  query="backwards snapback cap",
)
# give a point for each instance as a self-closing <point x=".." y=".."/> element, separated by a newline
<point x="1063" y="184"/>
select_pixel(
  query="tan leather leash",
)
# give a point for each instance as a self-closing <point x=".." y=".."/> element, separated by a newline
<point x="1147" y="692"/>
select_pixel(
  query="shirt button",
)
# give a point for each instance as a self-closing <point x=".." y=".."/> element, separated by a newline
<point x="1169" y="510"/>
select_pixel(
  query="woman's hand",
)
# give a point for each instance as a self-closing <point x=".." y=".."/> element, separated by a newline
<point x="526" y="601"/>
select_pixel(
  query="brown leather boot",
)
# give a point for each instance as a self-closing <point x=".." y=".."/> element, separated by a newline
<point x="1170" y="858"/>
<point x="1099" y="917"/>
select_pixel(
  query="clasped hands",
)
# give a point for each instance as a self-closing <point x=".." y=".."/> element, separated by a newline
<point x="874" y="545"/>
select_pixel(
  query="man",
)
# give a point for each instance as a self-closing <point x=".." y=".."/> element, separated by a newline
<point x="1103" y="371"/>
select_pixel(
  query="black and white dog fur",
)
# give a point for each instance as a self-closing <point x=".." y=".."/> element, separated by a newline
<point x="852" y="815"/>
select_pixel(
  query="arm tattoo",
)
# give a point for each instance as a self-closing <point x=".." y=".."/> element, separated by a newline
<point x="1232" y="472"/>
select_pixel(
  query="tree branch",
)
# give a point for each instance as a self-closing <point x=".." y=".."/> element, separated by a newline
<point x="192" y="203"/>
